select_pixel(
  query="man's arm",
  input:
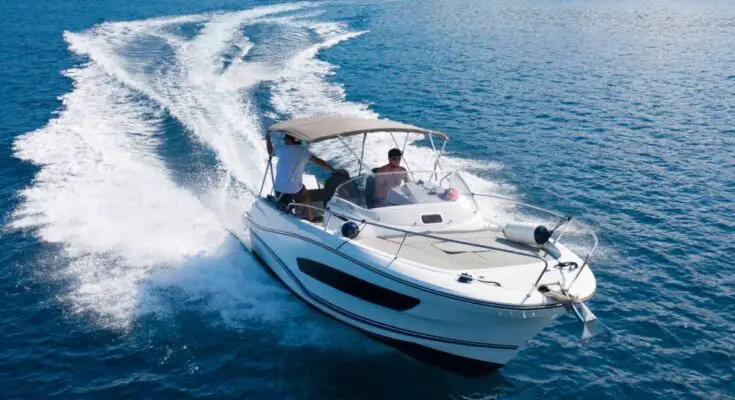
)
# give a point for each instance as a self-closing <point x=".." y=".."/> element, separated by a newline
<point x="318" y="161"/>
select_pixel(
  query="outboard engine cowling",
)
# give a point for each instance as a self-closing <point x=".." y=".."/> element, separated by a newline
<point x="535" y="235"/>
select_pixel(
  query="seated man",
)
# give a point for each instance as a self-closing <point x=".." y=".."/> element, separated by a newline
<point x="292" y="159"/>
<point x="384" y="182"/>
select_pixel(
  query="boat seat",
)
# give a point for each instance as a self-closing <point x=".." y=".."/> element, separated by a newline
<point x="333" y="182"/>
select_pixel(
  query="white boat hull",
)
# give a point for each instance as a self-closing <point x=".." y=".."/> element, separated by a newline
<point x="462" y="333"/>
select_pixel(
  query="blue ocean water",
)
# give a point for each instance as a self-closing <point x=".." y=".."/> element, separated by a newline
<point x="131" y="140"/>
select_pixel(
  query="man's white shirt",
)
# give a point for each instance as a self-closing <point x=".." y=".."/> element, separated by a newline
<point x="292" y="161"/>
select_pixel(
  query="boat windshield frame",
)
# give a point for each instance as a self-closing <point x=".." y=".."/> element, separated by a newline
<point x="431" y="187"/>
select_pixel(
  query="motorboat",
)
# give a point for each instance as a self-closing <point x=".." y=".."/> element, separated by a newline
<point x="459" y="279"/>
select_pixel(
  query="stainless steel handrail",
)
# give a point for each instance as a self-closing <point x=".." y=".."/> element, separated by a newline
<point x="405" y="233"/>
<point x="586" y="261"/>
<point x="518" y="202"/>
<point x="562" y="223"/>
<point x="562" y="217"/>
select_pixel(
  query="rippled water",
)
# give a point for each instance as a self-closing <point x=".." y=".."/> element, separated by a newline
<point x="132" y="144"/>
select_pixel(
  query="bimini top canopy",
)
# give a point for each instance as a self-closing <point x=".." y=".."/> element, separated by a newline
<point x="316" y="129"/>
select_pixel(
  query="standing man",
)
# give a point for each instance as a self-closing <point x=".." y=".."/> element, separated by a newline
<point x="292" y="159"/>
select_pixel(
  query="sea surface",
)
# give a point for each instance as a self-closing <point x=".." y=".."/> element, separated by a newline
<point x="131" y="140"/>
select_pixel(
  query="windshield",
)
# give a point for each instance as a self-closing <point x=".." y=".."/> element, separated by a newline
<point x="389" y="189"/>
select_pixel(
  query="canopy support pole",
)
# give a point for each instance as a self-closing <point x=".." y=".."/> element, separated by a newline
<point x="362" y="153"/>
<point x="438" y="156"/>
<point x="269" y="168"/>
<point x="349" y="148"/>
<point x="265" y="175"/>
<point x="405" y="142"/>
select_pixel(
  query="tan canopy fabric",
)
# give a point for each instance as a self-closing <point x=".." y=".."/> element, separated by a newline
<point x="315" y="129"/>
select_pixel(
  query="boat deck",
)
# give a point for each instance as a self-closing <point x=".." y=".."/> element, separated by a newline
<point x="457" y="256"/>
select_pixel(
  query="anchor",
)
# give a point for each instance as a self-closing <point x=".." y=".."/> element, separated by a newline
<point x="593" y="328"/>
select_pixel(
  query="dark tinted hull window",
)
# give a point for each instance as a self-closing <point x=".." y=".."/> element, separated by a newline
<point x="356" y="287"/>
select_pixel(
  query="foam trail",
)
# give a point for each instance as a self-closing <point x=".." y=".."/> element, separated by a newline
<point x="196" y="90"/>
<point x="194" y="84"/>
<point x="132" y="241"/>
<point x="102" y="192"/>
<point x="104" y="195"/>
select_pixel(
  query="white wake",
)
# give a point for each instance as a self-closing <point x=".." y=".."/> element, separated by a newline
<point x="129" y="232"/>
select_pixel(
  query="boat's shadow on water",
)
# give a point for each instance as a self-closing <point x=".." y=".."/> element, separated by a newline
<point x="390" y="375"/>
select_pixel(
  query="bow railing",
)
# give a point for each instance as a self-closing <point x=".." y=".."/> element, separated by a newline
<point x="561" y="227"/>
